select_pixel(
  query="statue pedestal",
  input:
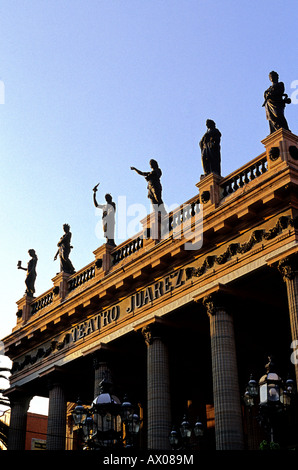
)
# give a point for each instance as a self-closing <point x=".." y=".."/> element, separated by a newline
<point x="103" y="257"/>
<point x="209" y="191"/>
<point x="151" y="229"/>
<point x="60" y="289"/>
<point x="24" y="310"/>
<point x="280" y="147"/>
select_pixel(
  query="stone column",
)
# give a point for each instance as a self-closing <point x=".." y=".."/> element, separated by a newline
<point x="19" y="403"/>
<point x="288" y="267"/>
<point x="101" y="372"/>
<point x="56" y="432"/>
<point x="158" y="390"/>
<point x="227" y="406"/>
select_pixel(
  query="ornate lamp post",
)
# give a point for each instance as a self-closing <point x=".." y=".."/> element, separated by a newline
<point x="271" y="394"/>
<point x="108" y="422"/>
<point x="181" y="439"/>
<point x="252" y="391"/>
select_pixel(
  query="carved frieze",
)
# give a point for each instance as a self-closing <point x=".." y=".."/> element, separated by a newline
<point x="156" y="292"/>
<point x="233" y="249"/>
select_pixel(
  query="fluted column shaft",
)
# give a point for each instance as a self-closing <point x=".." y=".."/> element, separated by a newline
<point x="158" y="391"/>
<point x="18" y="420"/>
<point x="227" y="406"/>
<point x="101" y="372"/>
<point x="56" y="432"/>
<point x="289" y="270"/>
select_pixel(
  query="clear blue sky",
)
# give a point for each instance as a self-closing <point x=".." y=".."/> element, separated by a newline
<point x="95" y="86"/>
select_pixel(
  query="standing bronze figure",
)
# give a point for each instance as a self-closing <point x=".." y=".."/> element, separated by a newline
<point x="275" y="103"/>
<point x="31" y="273"/>
<point x="210" y="149"/>
<point x="108" y="216"/>
<point x="154" y="185"/>
<point x="64" y="248"/>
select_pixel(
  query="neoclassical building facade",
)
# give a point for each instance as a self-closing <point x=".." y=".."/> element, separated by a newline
<point x="179" y="316"/>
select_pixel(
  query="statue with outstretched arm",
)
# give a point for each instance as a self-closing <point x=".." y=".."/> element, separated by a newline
<point x="108" y="216"/>
<point x="154" y="185"/>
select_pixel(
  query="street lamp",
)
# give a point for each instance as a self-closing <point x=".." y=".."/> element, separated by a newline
<point x="271" y="390"/>
<point x="108" y="422"/>
<point x="198" y="429"/>
<point x="270" y="387"/>
<point x="251" y="392"/>
<point x="79" y="414"/>
<point x="181" y="439"/>
<point x="185" y="429"/>
<point x="288" y="392"/>
<point x="131" y="421"/>
<point x="274" y="396"/>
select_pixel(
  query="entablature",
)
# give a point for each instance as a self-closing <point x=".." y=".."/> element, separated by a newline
<point x="80" y="329"/>
<point x="231" y="220"/>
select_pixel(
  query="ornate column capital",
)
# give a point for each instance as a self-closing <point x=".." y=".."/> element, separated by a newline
<point x="18" y="395"/>
<point x="288" y="267"/>
<point x="54" y="376"/>
<point x="152" y="329"/>
<point x="151" y="332"/>
<point x="100" y="355"/>
<point x="147" y="332"/>
<point x="210" y="303"/>
<point x="214" y="299"/>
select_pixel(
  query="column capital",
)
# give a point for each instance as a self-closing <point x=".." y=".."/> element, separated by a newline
<point x="214" y="299"/>
<point x="55" y="375"/>
<point x="99" y="357"/>
<point x="215" y="303"/>
<point x="151" y="329"/>
<point x="288" y="267"/>
<point x="148" y="334"/>
<point x="211" y="303"/>
<point x="18" y="394"/>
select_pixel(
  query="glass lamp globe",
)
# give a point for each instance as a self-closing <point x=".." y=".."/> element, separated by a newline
<point x="79" y="414"/>
<point x="270" y="386"/>
<point x="133" y="423"/>
<point x="185" y="428"/>
<point x="174" y="438"/>
<point x="198" y="428"/>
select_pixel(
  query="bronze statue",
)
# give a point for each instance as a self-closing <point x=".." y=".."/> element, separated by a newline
<point x="275" y="103"/>
<point x="210" y="149"/>
<point x="64" y="248"/>
<point x="31" y="273"/>
<point x="154" y="185"/>
<point x="108" y="216"/>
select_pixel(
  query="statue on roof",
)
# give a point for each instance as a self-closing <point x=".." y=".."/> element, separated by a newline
<point x="154" y="185"/>
<point x="31" y="273"/>
<point x="64" y="248"/>
<point x="210" y="149"/>
<point x="275" y="103"/>
<point x="108" y="216"/>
